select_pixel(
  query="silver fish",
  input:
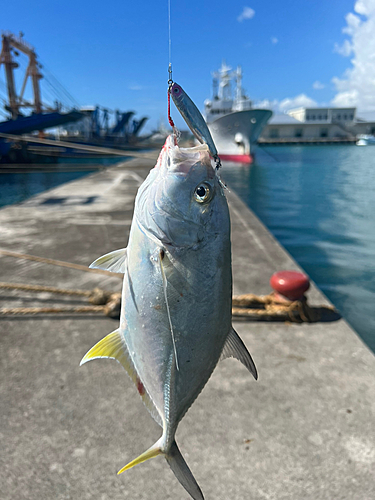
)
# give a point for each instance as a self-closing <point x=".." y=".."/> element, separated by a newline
<point x="175" y="320"/>
<point x="192" y="117"/>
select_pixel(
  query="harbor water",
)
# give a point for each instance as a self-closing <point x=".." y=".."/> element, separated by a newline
<point x="319" y="202"/>
<point x="19" y="186"/>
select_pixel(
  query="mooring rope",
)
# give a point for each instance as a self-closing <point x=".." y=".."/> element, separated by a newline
<point x="249" y="306"/>
<point x="60" y="263"/>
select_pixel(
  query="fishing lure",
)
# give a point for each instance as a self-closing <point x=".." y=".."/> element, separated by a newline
<point x="193" y="118"/>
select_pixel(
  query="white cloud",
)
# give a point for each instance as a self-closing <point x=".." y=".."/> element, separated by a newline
<point x="356" y="86"/>
<point x="135" y="86"/>
<point x="345" y="49"/>
<point x="267" y="104"/>
<point x="274" y="40"/>
<point x="318" y="85"/>
<point x="247" y="13"/>
<point x="300" y="100"/>
<point x="285" y="105"/>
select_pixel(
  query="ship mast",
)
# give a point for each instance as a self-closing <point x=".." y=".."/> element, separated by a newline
<point x="9" y="42"/>
<point x="238" y="75"/>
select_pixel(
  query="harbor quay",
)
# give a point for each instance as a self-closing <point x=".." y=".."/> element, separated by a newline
<point x="304" y="430"/>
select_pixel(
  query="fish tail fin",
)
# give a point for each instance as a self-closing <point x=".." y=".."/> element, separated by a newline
<point x="181" y="470"/>
<point x="154" y="451"/>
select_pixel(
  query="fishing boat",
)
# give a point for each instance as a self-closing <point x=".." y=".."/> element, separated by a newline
<point x="75" y="130"/>
<point x="235" y="124"/>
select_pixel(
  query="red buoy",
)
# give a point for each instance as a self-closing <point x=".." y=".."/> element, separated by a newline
<point x="289" y="285"/>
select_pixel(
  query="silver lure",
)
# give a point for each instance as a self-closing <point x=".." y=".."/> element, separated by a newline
<point x="175" y="320"/>
<point x="192" y="117"/>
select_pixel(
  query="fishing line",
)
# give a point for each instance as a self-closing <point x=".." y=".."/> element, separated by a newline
<point x="170" y="79"/>
<point x="170" y="40"/>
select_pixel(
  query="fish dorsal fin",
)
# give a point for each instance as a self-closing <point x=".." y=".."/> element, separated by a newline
<point x="113" y="347"/>
<point x="113" y="261"/>
<point x="235" y="348"/>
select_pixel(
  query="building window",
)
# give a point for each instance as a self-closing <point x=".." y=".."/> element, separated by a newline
<point x="323" y="132"/>
<point x="320" y="117"/>
<point x="338" y="117"/>
<point x="345" y="117"/>
<point x="313" y="117"/>
<point x="298" y="132"/>
<point x="274" y="133"/>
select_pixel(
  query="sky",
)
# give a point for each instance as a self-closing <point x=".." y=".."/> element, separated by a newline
<point x="116" y="53"/>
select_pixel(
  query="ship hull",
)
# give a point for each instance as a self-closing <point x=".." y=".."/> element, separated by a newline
<point x="235" y="134"/>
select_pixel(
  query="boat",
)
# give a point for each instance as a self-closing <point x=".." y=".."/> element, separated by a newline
<point x="41" y="116"/>
<point x="365" y="140"/>
<point x="235" y="124"/>
<point x="78" y="128"/>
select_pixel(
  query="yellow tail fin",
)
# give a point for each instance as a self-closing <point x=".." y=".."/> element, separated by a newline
<point x="152" y="452"/>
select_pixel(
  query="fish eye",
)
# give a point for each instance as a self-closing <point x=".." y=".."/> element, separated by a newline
<point x="176" y="90"/>
<point x="203" y="193"/>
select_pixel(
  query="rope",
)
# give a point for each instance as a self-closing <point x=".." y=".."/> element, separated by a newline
<point x="103" y="302"/>
<point x="50" y="310"/>
<point x="245" y="306"/>
<point x="60" y="263"/>
<point x="49" y="289"/>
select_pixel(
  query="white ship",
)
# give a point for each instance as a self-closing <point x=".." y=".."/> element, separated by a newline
<point x="233" y="122"/>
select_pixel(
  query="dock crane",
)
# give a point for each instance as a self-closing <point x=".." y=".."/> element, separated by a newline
<point x="11" y="44"/>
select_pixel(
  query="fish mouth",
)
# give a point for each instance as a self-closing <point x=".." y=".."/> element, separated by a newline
<point x="180" y="160"/>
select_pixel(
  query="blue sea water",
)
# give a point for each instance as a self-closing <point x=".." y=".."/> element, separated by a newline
<point x="319" y="202"/>
<point x="17" y="187"/>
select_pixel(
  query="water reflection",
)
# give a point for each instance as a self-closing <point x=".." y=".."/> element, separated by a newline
<point x="318" y="201"/>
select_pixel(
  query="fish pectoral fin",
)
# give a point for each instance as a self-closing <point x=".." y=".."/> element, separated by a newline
<point x="114" y="261"/>
<point x="182" y="472"/>
<point x="152" y="452"/>
<point x="235" y="348"/>
<point x="164" y="278"/>
<point x="113" y="347"/>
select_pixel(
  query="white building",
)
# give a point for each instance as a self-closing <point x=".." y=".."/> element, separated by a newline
<point x="318" y="124"/>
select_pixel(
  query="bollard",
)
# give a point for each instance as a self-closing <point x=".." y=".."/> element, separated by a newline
<point x="289" y="285"/>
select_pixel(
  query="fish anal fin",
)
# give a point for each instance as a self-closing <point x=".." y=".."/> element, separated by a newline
<point x="113" y="347"/>
<point x="235" y="348"/>
<point x="114" y="261"/>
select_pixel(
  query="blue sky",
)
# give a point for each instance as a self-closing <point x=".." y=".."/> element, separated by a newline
<point x="116" y="53"/>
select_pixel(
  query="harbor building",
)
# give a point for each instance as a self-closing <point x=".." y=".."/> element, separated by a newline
<point x="309" y="125"/>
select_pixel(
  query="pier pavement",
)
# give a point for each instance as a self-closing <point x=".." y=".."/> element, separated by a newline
<point x="305" y="430"/>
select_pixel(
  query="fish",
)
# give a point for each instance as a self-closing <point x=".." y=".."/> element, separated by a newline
<point x="175" y="321"/>
<point x="193" y="118"/>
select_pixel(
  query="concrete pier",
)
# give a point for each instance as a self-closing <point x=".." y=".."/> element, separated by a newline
<point x="305" y="430"/>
